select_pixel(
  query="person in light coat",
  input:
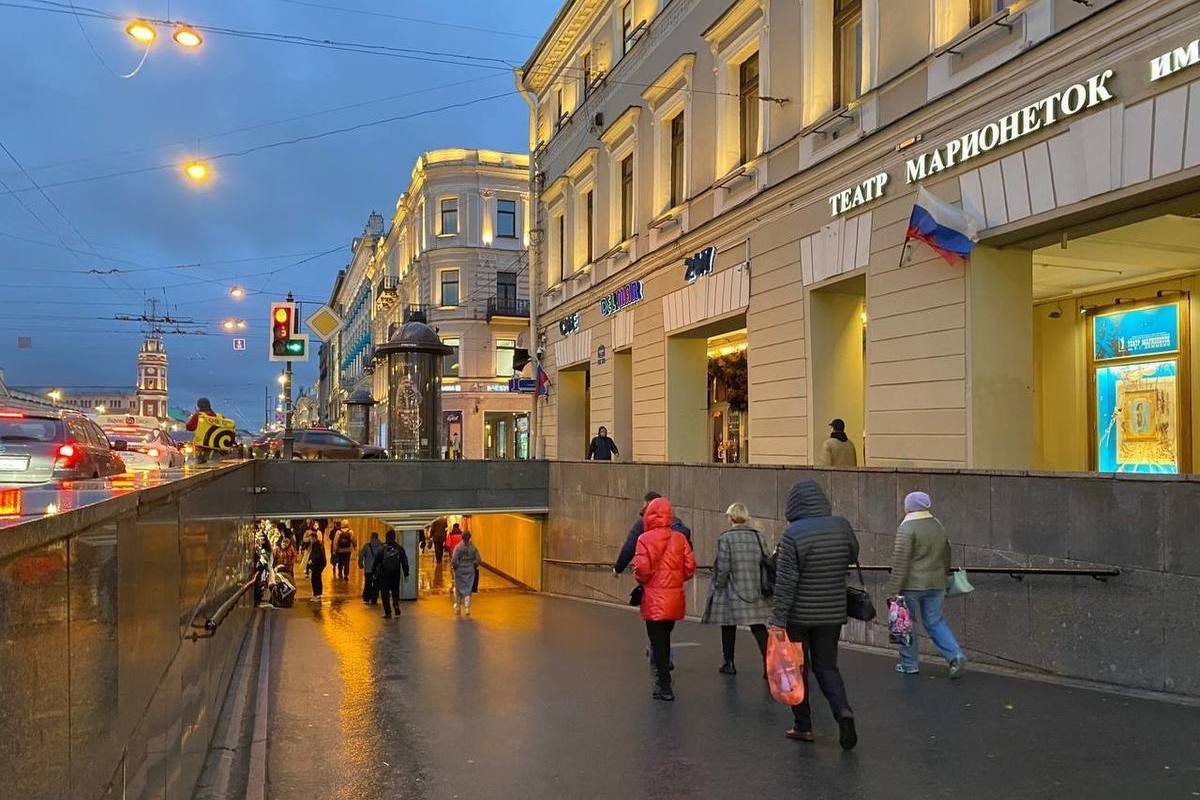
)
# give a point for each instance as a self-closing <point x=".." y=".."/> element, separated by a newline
<point x="464" y="563"/>
<point x="735" y="596"/>
<point x="838" y="450"/>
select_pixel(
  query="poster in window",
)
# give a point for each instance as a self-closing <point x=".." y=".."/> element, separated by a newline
<point x="453" y="446"/>
<point x="1138" y="417"/>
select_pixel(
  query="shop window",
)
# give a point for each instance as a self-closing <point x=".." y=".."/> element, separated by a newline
<point x="449" y="280"/>
<point x="449" y="216"/>
<point x="450" y="365"/>
<point x="677" y="159"/>
<point x="748" y="108"/>
<point x="505" y="348"/>
<point x="506" y="219"/>
<point x="627" y="197"/>
<point x="847" y="51"/>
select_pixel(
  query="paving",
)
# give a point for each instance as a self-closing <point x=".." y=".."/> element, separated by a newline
<point x="538" y="697"/>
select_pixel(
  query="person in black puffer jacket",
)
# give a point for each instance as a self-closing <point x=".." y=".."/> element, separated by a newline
<point x="810" y="600"/>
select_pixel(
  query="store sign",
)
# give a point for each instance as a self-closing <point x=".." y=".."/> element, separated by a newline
<point x="1177" y="60"/>
<point x="569" y="325"/>
<point x="1046" y="112"/>
<point x="1140" y="332"/>
<point x="524" y="385"/>
<point x="601" y="355"/>
<point x="865" y="192"/>
<point x="700" y="264"/>
<point x="627" y="295"/>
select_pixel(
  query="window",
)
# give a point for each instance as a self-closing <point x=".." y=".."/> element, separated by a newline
<point x="591" y="220"/>
<point x="450" y="365"/>
<point x="506" y="289"/>
<point x="985" y="9"/>
<point x="560" y="109"/>
<point x="626" y="27"/>
<point x="677" y="162"/>
<point x="449" y="287"/>
<point x="587" y="75"/>
<point x="627" y="197"/>
<point x="505" y="348"/>
<point x="847" y="51"/>
<point x="449" y="216"/>
<point x="560" y="228"/>
<point x="506" y="219"/>
<point x="748" y="109"/>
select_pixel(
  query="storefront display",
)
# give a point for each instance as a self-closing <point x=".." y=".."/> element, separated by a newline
<point x="1139" y="403"/>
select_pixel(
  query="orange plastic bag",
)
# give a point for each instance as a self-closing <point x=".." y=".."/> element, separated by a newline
<point x="785" y="664"/>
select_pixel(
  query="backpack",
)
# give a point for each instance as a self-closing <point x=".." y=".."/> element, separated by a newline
<point x="214" y="432"/>
<point x="389" y="562"/>
<point x="345" y="543"/>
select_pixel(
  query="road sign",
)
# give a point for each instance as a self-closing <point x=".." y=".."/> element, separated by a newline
<point x="324" y="322"/>
<point x="239" y="344"/>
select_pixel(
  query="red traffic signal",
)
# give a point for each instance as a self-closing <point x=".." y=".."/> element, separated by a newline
<point x="287" y="343"/>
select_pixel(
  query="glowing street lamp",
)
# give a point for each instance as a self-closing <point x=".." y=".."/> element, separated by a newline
<point x="237" y="292"/>
<point x="187" y="36"/>
<point x="54" y="394"/>
<point x="141" y="31"/>
<point x="282" y="378"/>
<point x="197" y="171"/>
<point x="234" y="324"/>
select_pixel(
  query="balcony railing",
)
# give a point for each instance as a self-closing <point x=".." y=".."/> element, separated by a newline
<point x="507" y="307"/>
<point x="419" y="313"/>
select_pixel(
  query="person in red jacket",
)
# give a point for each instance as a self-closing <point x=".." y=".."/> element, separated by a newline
<point x="662" y="563"/>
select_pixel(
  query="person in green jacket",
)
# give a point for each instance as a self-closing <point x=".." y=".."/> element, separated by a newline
<point x="920" y="562"/>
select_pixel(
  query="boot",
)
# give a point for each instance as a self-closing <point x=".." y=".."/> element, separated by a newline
<point x="467" y="605"/>
<point x="662" y="691"/>
<point x="728" y="668"/>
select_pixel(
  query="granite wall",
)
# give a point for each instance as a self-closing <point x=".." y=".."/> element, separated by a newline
<point x="1140" y="630"/>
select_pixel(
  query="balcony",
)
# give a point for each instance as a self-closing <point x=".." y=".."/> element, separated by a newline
<point x="419" y="313"/>
<point x="385" y="292"/>
<point x="507" y="307"/>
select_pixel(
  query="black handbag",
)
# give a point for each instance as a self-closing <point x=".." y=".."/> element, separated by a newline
<point x="858" y="601"/>
<point x="635" y="597"/>
<point x="766" y="569"/>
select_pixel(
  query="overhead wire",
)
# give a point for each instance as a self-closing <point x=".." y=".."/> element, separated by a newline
<point x="91" y="46"/>
<point x="417" y="20"/>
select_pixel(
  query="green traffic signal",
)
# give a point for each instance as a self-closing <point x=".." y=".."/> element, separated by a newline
<point x="295" y="347"/>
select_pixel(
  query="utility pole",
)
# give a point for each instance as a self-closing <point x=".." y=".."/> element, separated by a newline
<point x="288" y="438"/>
<point x="535" y="236"/>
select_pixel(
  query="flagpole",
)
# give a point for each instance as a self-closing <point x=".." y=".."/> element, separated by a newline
<point x="903" y="250"/>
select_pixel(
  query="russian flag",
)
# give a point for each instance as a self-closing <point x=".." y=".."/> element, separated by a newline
<point x="543" y="381"/>
<point x="950" y="231"/>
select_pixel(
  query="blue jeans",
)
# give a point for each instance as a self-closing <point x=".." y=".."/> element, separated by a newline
<point x="929" y="606"/>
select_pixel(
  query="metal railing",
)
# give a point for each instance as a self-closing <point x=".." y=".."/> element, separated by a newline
<point x="213" y="621"/>
<point x="416" y="312"/>
<point x="1101" y="574"/>
<point x="507" y="307"/>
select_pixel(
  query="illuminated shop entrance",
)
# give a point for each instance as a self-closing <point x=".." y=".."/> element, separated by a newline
<point x="506" y="435"/>
<point x="1112" y="341"/>
<point x="574" y="414"/>
<point x="707" y="398"/>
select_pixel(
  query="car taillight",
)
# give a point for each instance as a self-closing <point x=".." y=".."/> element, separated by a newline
<point x="66" y="456"/>
<point x="12" y="415"/>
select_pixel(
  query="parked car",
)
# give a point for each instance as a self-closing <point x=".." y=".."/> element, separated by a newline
<point x="39" y="447"/>
<point x="312" y="444"/>
<point x="154" y="450"/>
<point x="183" y="441"/>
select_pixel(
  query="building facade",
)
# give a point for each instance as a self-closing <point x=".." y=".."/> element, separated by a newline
<point x="455" y="257"/>
<point x="724" y="195"/>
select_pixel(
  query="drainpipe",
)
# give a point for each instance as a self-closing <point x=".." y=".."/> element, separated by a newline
<point x="534" y="212"/>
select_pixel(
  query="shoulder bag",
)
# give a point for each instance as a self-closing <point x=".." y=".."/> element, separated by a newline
<point x="766" y="568"/>
<point x="858" y="601"/>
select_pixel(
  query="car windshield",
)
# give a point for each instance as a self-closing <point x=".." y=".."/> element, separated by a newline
<point x="28" y="430"/>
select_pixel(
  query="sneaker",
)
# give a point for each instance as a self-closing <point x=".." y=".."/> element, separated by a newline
<point x="847" y="735"/>
<point x="903" y="670"/>
<point x="799" y="736"/>
<point x="957" y="667"/>
<point x="727" y="668"/>
<point x="663" y="693"/>
<point x="456" y="609"/>
<point x="387" y="616"/>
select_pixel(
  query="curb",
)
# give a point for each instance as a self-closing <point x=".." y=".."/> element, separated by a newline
<point x="256" y="781"/>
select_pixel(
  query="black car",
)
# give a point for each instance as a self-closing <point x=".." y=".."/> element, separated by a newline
<point x="39" y="447"/>
<point x="313" y="444"/>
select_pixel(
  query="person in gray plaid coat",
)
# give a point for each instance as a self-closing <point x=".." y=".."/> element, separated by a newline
<point x="735" y="596"/>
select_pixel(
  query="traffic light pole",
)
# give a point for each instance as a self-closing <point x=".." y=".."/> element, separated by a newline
<point x="288" y="438"/>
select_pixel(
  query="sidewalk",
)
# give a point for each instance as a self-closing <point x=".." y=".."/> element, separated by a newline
<point x="536" y="697"/>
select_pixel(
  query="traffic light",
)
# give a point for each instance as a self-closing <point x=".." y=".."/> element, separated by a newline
<point x="287" y="343"/>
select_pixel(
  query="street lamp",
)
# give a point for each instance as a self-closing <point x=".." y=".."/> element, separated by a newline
<point x="231" y="324"/>
<point x="141" y="31"/>
<point x="101" y="410"/>
<point x="54" y="394"/>
<point x="237" y="292"/>
<point x="187" y="36"/>
<point x="197" y="171"/>
<point x="282" y="378"/>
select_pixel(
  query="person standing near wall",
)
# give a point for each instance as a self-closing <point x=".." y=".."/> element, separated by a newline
<point x="735" y="596"/>
<point x="838" y="450"/>
<point x="316" y="561"/>
<point x="464" y="561"/>
<point x="390" y="567"/>
<point x="920" y="562"/>
<point x="662" y="563"/>
<point x="602" y="448"/>
<point x="810" y="601"/>
<point x="367" y="558"/>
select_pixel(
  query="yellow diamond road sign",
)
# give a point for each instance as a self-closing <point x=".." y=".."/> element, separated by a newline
<point x="324" y="322"/>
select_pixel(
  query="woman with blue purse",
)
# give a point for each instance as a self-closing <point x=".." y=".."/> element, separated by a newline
<point x="920" y="564"/>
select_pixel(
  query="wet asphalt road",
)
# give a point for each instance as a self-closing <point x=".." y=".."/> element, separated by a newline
<point x="536" y="697"/>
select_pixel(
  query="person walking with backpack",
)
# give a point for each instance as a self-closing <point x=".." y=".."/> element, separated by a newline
<point x="464" y="563"/>
<point x="810" y="601"/>
<point x="739" y="593"/>
<point x="662" y="564"/>
<point x="343" y="544"/>
<point x="390" y="567"/>
<point x="920" y="562"/>
<point x="367" y="558"/>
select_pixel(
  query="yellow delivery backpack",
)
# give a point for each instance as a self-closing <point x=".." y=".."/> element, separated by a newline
<point x="214" y="432"/>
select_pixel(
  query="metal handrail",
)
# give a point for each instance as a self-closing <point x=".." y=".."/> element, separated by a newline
<point x="212" y="622"/>
<point x="1101" y="574"/>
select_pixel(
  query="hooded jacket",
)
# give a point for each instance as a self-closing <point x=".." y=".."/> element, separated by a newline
<point x="814" y="556"/>
<point x="662" y="563"/>
<point x="625" y="557"/>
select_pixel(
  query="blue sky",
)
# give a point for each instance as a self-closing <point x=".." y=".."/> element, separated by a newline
<point x="69" y="119"/>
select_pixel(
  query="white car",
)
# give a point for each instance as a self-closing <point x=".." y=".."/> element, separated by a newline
<point x="151" y="452"/>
